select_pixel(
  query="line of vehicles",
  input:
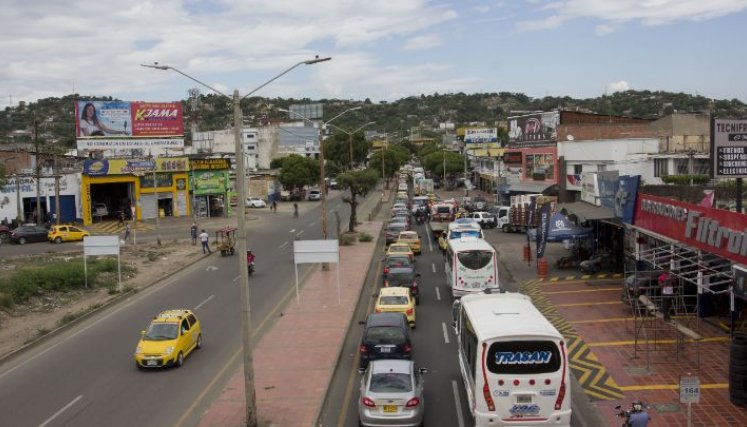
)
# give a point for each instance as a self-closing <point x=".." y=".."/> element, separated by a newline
<point x="30" y="233"/>
<point x="513" y="361"/>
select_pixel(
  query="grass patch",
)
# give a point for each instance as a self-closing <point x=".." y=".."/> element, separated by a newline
<point x="365" y="237"/>
<point x="57" y="276"/>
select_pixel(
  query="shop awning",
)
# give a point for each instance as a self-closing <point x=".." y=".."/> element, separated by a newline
<point x="586" y="211"/>
<point x="529" y="187"/>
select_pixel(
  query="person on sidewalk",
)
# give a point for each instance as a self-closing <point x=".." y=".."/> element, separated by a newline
<point x="127" y="232"/>
<point x="639" y="417"/>
<point x="204" y="240"/>
<point x="193" y="233"/>
<point x="667" y="294"/>
<point x="295" y="210"/>
<point x="275" y="206"/>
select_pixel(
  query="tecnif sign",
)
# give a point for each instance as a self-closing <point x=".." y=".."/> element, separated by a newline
<point x="729" y="148"/>
<point x="716" y="231"/>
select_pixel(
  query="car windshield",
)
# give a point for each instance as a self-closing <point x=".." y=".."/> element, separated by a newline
<point x="393" y="300"/>
<point x="443" y="209"/>
<point x="399" y="279"/>
<point x="396" y="228"/>
<point x="384" y="335"/>
<point x="391" y="382"/>
<point x="161" y="332"/>
<point x="399" y="261"/>
<point x="456" y="234"/>
<point x="475" y="260"/>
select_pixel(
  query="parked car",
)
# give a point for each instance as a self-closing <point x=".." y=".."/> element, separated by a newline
<point x="66" y="233"/>
<point x="315" y="195"/>
<point x="255" y="202"/>
<point x="391" y="393"/>
<point x="385" y="336"/>
<point x="171" y="336"/>
<point x="485" y="219"/>
<point x="29" y="233"/>
<point x="100" y="210"/>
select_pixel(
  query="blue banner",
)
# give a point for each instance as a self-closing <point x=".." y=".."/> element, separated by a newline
<point x="543" y="229"/>
<point x="625" y="198"/>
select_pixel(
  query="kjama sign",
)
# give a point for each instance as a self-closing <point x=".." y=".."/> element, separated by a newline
<point x="716" y="231"/>
<point x="128" y="119"/>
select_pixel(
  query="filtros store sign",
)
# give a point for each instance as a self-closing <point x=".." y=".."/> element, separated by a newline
<point x="713" y="230"/>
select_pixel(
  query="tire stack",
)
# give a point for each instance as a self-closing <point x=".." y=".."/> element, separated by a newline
<point x="738" y="370"/>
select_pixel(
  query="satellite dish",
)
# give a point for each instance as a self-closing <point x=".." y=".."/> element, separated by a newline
<point x="569" y="137"/>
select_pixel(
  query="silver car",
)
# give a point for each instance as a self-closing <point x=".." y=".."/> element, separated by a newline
<point x="391" y="394"/>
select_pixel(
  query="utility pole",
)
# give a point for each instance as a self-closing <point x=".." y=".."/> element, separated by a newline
<point x="38" y="173"/>
<point x="350" y="144"/>
<point x="323" y="182"/>
<point x="56" y="192"/>
<point x="19" y="212"/>
<point x="158" y="210"/>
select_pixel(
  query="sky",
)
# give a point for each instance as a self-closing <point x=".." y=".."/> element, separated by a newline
<point x="383" y="50"/>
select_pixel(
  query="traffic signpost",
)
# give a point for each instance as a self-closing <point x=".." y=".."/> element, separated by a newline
<point x="689" y="393"/>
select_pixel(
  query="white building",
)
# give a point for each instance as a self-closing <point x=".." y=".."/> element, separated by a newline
<point x="10" y="202"/>
<point x="257" y="147"/>
<point x="627" y="156"/>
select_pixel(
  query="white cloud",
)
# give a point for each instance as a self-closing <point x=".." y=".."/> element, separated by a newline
<point x="620" y="86"/>
<point x="647" y="12"/>
<point x="604" y="29"/>
<point x="423" y="42"/>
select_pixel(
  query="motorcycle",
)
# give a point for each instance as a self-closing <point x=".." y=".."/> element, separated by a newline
<point x="251" y="268"/>
<point x="574" y="259"/>
<point x="595" y="263"/>
<point x="635" y="408"/>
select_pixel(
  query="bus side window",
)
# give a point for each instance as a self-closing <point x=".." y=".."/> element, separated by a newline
<point x="455" y="315"/>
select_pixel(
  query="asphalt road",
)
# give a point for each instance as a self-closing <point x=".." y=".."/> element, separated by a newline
<point x="86" y="375"/>
<point x="433" y="344"/>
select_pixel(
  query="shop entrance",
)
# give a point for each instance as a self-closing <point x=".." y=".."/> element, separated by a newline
<point x="30" y="212"/>
<point x="165" y="204"/>
<point x="209" y="206"/>
<point x="117" y="197"/>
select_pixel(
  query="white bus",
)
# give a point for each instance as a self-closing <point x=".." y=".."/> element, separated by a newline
<point x="470" y="266"/>
<point x="458" y="229"/>
<point x="513" y="361"/>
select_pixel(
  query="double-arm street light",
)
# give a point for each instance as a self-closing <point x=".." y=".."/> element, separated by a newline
<point x="251" y="407"/>
<point x="350" y="138"/>
<point x="322" y="181"/>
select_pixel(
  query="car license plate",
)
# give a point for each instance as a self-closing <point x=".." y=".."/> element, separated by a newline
<point x="385" y="349"/>
<point x="152" y="363"/>
<point x="523" y="398"/>
<point x="390" y="408"/>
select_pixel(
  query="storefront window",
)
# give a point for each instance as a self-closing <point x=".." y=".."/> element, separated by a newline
<point x="539" y="166"/>
<point x="164" y="180"/>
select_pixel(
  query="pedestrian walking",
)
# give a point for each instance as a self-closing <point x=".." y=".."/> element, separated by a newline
<point x="193" y="233"/>
<point x="127" y="232"/>
<point x="121" y="218"/>
<point x="275" y="206"/>
<point x="295" y="210"/>
<point x="204" y="240"/>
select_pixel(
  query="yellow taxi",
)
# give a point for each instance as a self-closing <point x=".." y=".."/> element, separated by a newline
<point x="66" y="233"/>
<point x="412" y="239"/>
<point x="171" y="336"/>
<point x="397" y="300"/>
<point x="402" y="194"/>
<point x="400" y="248"/>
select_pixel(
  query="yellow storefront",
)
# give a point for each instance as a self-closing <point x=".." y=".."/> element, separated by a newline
<point x="112" y="187"/>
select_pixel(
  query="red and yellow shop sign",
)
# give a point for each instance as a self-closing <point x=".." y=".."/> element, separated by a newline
<point x="100" y="167"/>
<point x="717" y="231"/>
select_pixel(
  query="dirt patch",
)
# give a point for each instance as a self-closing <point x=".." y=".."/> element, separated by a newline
<point x="44" y="313"/>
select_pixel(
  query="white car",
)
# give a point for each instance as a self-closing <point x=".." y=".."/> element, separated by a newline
<point x="255" y="202"/>
<point x="315" y="195"/>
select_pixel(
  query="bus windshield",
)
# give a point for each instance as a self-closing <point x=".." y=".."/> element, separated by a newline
<point x="475" y="260"/>
<point x="456" y="234"/>
<point x="523" y="357"/>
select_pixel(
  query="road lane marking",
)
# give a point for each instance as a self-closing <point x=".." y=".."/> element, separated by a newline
<point x="197" y="307"/>
<point x="446" y="332"/>
<point x="293" y="230"/>
<point x="438" y="294"/>
<point x="236" y="279"/>
<point x="283" y="245"/>
<point x="433" y="265"/>
<point x="458" y="403"/>
<point x="299" y="233"/>
<point x="64" y="408"/>
<point x="428" y="236"/>
<point x="312" y="224"/>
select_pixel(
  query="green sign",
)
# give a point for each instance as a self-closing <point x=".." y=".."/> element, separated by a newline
<point x="209" y="182"/>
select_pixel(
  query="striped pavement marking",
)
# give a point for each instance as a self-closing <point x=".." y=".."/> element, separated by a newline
<point x="583" y="304"/>
<point x="116" y="228"/>
<point x="591" y="375"/>
<point x="583" y="291"/>
<point x="657" y="342"/>
<point x="600" y="276"/>
<point x="613" y="319"/>
<point x="670" y="386"/>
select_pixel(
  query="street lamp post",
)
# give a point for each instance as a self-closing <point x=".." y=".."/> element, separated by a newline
<point x="350" y="138"/>
<point x="322" y="182"/>
<point x="246" y="341"/>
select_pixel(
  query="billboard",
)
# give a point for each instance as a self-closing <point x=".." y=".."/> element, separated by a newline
<point x="712" y="230"/>
<point x="533" y="129"/>
<point x="209" y="164"/>
<point x="122" y="119"/>
<point x="209" y="182"/>
<point x="729" y="148"/>
<point x="480" y="135"/>
<point x="129" y="144"/>
<point x="100" y="167"/>
<point x="306" y="111"/>
<point x="625" y="197"/>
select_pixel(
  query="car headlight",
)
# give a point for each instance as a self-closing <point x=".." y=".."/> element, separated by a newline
<point x="169" y="350"/>
<point x="138" y="350"/>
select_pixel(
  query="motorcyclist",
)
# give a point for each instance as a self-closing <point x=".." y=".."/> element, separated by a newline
<point x="250" y="261"/>
<point x="639" y="417"/>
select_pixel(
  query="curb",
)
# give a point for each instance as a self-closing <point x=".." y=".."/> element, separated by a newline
<point x="109" y="303"/>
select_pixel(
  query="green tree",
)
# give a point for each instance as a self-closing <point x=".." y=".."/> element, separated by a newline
<point x="277" y="163"/>
<point x="434" y="162"/>
<point x="337" y="149"/>
<point x="359" y="183"/>
<point x="298" y="171"/>
<point x="393" y="157"/>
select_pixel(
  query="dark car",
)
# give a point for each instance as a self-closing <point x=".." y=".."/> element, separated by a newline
<point x="402" y="217"/>
<point x="4" y="233"/>
<point x="404" y="277"/>
<point x="396" y="261"/>
<point x="29" y="233"/>
<point x="385" y="336"/>
<point x="393" y="230"/>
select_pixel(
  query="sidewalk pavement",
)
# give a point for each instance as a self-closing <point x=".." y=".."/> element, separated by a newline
<point x="290" y="390"/>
